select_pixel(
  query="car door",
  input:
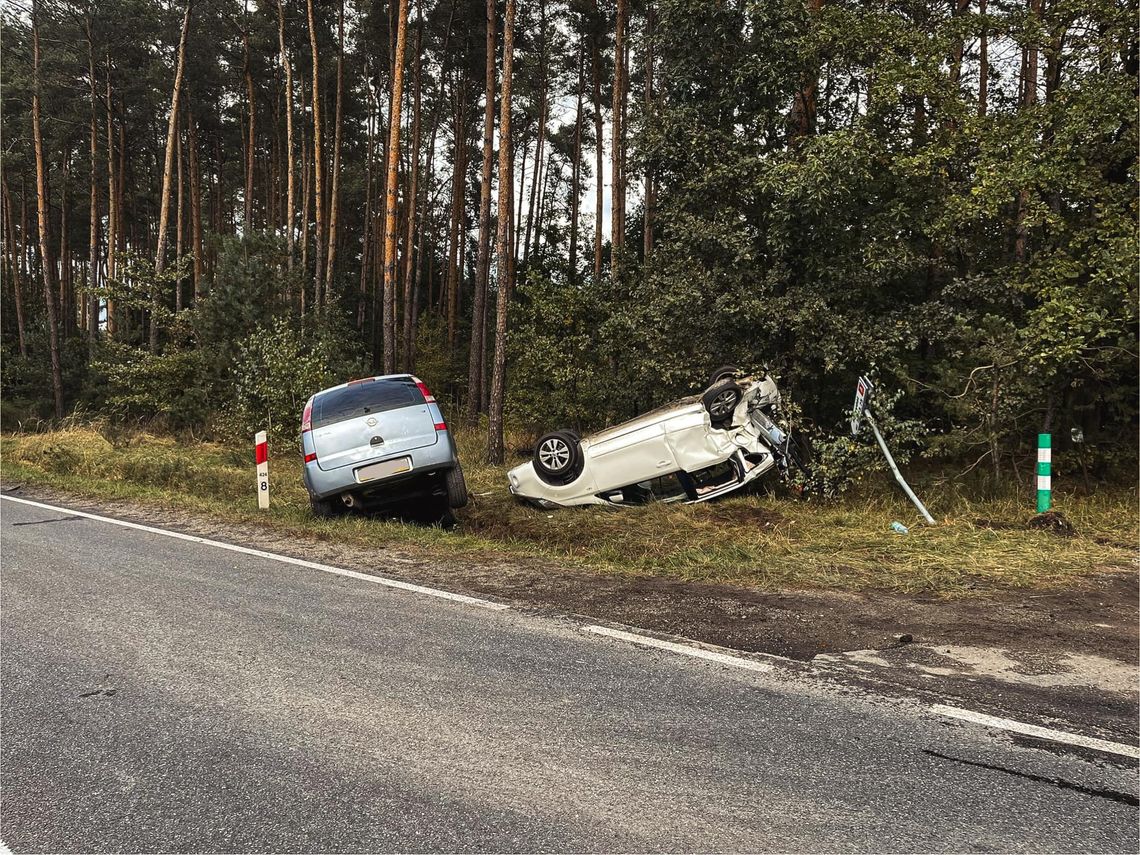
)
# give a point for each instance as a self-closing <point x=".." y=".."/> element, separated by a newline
<point x="693" y="443"/>
<point x="632" y="455"/>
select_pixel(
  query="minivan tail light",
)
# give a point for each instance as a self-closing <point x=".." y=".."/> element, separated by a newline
<point x="424" y="390"/>
<point x="441" y="425"/>
<point x="307" y="417"/>
<point x="310" y="457"/>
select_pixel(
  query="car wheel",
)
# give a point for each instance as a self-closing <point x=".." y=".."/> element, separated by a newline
<point x="720" y="401"/>
<point x="558" y="457"/>
<point x="323" y="508"/>
<point x="456" y="487"/>
<point x="725" y="372"/>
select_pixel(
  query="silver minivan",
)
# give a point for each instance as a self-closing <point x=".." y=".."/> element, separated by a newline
<point x="376" y="442"/>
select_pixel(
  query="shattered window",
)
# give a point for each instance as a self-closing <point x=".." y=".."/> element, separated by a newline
<point x="664" y="488"/>
<point x="714" y="477"/>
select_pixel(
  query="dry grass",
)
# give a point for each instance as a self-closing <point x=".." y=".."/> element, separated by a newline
<point x="754" y="540"/>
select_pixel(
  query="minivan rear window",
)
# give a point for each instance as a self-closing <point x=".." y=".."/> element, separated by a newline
<point x="362" y="399"/>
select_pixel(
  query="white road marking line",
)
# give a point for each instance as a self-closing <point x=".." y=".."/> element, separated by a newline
<point x="683" y="649"/>
<point x="284" y="559"/>
<point x="1038" y="732"/>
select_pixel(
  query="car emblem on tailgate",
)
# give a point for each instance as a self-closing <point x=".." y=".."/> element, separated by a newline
<point x="371" y="422"/>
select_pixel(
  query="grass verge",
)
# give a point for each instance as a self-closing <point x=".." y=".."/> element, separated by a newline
<point x="755" y="540"/>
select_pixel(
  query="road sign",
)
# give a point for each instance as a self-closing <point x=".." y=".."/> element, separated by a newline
<point x="261" y="449"/>
<point x="863" y="390"/>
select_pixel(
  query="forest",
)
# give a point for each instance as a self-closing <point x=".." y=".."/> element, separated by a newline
<point x="563" y="212"/>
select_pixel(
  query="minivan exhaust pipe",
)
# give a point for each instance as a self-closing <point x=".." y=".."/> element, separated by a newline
<point x="348" y="499"/>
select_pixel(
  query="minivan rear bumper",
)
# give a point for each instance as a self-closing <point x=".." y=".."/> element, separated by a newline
<point x="426" y="460"/>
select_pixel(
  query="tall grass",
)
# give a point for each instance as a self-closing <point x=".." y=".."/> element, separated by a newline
<point x="763" y="541"/>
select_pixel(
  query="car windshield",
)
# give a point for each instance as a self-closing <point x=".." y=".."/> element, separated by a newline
<point x="365" y="398"/>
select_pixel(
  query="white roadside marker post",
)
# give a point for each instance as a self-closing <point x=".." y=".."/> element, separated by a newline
<point x="261" y="449"/>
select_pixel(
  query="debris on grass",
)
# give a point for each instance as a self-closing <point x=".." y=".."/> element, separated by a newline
<point x="1053" y="521"/>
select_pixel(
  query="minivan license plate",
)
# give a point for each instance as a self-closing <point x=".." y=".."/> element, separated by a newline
<point x="384" y="469"/>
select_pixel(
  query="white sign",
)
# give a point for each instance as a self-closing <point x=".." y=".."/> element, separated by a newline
<point x="863" y="390"/>
<point x="261" y="449"/>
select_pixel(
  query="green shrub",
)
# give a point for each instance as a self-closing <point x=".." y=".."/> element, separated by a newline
<point x="278" y="367"/>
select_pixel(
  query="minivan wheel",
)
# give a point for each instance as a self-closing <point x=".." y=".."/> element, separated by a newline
<point x="720" y="401"/>
<point x="456" y="487"/>
<point x="558" y="457"/>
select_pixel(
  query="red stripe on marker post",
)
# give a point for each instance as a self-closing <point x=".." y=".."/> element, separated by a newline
<point x="261" y="456"/>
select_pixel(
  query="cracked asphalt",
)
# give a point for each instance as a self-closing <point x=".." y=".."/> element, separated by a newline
<point x="160" y="695"/>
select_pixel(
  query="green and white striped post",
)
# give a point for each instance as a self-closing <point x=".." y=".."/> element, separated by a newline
<point x="1044" y="472"/>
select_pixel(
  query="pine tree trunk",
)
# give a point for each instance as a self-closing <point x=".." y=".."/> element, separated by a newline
<point x="458" y="181"/>
<point x="16" y="252"/>
<point x="517" y="217"/>
<point x="167" y="178"/>
<point x="334" y="195"/>
<point x="802" y="119"/>
<point x="539" y="162"/>
<point x="958" y="48"/>
<point x="576" y="169"/>
<point x="44" y="223"/>
<point x="476" y="367"/>
<point x="1028" y="100"/>
<point x="290" y="187"/>
<point x="93" y="207"/>
<point x="543" y="197"/>
<point x="413" y="199"/>
<point x="195" y="206"/>
<point x="112" y="206"/>
<point x="536" y="178"/>
<point x="179" y="223"/>
<point x="391" y="196"/>
<point x="306" y="183"/>
<point x="251" y="137"/>
<point x="599" y="143"/>
<point x="66" y="315"/>
<point x="366" y="250"/>
<point x="318" y="178"/>
<point x="505" y="271"/>
<point x="617" y="183"/>
<point x="983" y="62"/>
<point x="650" y="186"/>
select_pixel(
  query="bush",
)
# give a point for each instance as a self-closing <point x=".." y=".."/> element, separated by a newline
<point x="839" y="461"/>
<point x="170" y="387"/>
<point x="278" y="367"/>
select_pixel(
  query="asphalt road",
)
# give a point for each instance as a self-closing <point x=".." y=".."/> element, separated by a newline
<point x="160" y="695"/>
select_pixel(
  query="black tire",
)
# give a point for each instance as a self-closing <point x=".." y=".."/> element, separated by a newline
<point x="725" y="372"/>
<point x="720" y="401"/>
<point x="456" y="487"/>
<point x="558" y="457"/>
<point x="323" y="508"/>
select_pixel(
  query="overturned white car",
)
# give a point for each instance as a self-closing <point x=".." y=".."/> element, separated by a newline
<point x="691" y="450"/>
